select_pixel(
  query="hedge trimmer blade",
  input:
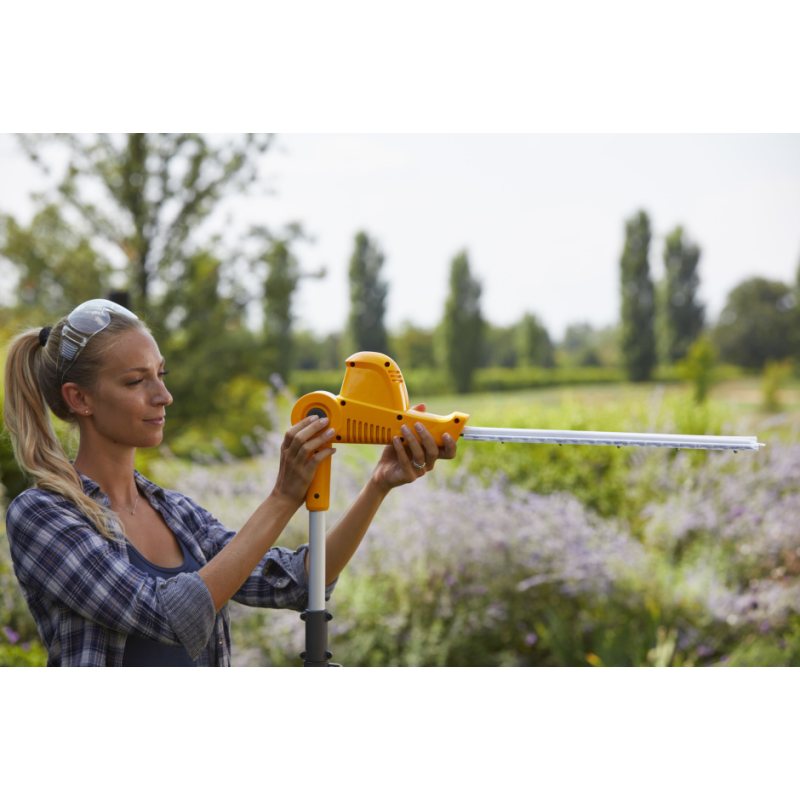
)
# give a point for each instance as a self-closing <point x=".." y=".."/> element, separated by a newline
<point x="678" y="441"/>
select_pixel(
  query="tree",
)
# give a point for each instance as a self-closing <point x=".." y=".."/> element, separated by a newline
<point x="365" y="326"/>
<point x="638" y="334"/>
<point x="413" y="347"/>
<point x="154" y="191"/>
<point x="760" y="321"/>
<point x="462" y="326"/>
<point x="581" y="345"/>
<point x="534" y="347"/>
<point x="279" y="287"/>
<point x="499" y="347"/>
<point x="57" y="268"/>
<point x="698" y="367"/>
<point x="683" y="313"/>
<point x="206" y="348"/>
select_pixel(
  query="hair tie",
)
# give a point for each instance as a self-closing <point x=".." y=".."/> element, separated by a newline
<point x="44" y="335"/>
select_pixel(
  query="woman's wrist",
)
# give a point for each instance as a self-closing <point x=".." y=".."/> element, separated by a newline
<point x="377" y="485"/>
<point x="282" y="503"/>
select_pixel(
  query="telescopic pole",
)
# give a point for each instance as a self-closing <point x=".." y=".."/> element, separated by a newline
<point x="316" y="615"/>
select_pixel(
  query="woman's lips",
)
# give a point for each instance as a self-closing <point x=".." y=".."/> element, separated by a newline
<point x="158" y="421"/>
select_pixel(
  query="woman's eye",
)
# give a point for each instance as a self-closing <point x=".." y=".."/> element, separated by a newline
<point x="160" y="374"/>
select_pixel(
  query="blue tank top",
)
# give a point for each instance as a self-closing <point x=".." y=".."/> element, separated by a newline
<point x="141" y="652"/>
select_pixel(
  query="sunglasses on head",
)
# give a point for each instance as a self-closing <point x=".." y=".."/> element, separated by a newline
<point x="85" y="321"/>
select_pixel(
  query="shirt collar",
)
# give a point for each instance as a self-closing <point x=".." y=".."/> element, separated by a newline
<point x="148" y="488"/>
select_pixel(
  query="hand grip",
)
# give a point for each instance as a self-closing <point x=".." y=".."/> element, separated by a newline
<point x="318" y="496"/>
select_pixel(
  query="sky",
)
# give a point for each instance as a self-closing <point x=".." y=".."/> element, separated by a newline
<point x="541" y="216"/>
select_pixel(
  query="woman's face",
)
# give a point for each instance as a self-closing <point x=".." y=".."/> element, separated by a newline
<point x="128" y="402"/>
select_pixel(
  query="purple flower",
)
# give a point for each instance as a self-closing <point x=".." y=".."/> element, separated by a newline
<point x="764" y="626"/>
<point x="704" y="651"/>
<point x="11" y="635"/>
<point x="531" y="639"/>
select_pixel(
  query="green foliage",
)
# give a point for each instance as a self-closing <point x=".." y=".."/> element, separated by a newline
<point x="12" y="479"/>
<point x="211" y="355"/>
<point x="155" y="190"/>
<point x="413" y="347"/>
<point x="463" y="327"/>
<point x="317" y="353"/>
<point x="638" y="307"/>
<point x="760" y="321"/>
<point x="279" y="288"/>
<point x="57" y="267"/>
<point x="585" y="346"/>
<point x="683" y="313"/>
<point x="368" y="291"/>
<point x="432" y="382"/>
<point x="533" y="344"/>
<point x="698" y="367"/>
<point x="499" y="347"/>
<point x="775" y="375"/>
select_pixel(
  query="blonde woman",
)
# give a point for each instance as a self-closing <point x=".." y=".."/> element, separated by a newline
<point x="118" y="571"/>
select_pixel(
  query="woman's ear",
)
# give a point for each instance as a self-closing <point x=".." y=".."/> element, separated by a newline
<point x="76" y="399"/>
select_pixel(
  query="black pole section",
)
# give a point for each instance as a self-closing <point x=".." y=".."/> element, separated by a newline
<point x="316" y="653"/>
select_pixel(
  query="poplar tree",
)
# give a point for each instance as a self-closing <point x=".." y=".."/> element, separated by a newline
<point x="462" y="326"/>
<point x="368" y="291"/>
<point x="683" y="313"/>
<point x="279" y="286"/>
<point x="638" y="341"/>
<point x="534" y="346"/>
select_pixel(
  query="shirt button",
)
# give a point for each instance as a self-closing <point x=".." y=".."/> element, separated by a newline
<point x="220" y="640"/>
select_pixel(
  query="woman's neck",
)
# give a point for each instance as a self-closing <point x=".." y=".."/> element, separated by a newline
<point x="113" y="473"/>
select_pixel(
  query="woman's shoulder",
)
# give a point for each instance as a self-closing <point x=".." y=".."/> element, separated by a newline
<point x="38" y="509"/>
<point x="35" y="499"/>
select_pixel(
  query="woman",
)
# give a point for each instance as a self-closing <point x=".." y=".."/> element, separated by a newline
<point x="118" y="571"/>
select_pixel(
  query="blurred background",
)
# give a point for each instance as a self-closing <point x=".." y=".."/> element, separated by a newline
<point x="591" y="282"/>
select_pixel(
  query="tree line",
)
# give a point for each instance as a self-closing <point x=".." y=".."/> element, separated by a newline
<point x="130" y="215"/>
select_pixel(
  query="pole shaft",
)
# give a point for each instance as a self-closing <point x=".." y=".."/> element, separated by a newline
<point x="316" y="560"/>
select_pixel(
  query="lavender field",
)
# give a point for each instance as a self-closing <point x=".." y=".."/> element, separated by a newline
<point x="540" y="555"/>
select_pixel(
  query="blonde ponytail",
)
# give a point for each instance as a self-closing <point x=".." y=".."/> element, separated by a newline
<point x="32" y="386"/>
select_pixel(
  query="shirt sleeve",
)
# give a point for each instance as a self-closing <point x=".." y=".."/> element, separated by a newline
<point x="58" y="553"/>
<point x="279" y="579"/>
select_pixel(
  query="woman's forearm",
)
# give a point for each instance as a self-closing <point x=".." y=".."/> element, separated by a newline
<point x="231" y="567"/>
<point x="345" y="536"/>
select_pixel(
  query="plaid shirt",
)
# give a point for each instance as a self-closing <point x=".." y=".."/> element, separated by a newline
<point x="86" y="597"/>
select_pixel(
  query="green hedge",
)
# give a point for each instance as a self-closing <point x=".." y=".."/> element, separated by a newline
<point x="433" y="382"/>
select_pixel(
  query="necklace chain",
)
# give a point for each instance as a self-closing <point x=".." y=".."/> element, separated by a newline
<point x="132" y="510"/>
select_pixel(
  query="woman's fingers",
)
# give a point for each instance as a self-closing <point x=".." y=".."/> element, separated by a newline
<point x="417" y="451"/>
<point x="449" y="446"/>
<point x="432" y="450"/>
<point x="308" y="435"/>
<point x="403" y="459"/>
<point x="424" y="448"/>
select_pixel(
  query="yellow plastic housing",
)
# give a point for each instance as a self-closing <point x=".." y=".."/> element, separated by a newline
<point x="371" y="407"/>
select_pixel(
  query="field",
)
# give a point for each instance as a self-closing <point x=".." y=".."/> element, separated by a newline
<point x="546" y="555"/>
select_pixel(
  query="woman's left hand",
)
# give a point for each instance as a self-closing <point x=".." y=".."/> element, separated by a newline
<point x="397" y="463"/>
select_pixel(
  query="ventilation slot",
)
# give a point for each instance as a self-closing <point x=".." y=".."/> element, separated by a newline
<point x="365" y="433"/>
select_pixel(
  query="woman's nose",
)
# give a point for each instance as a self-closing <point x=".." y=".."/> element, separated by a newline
<point x="162" y="398"/>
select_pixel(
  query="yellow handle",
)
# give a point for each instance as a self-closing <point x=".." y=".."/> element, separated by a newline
<point x="318" y="497"/>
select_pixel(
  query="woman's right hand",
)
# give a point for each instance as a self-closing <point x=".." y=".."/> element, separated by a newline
<point x="299" y="462"/>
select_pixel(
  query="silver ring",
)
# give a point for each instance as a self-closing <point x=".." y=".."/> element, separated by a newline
<point x="419" y="466"/>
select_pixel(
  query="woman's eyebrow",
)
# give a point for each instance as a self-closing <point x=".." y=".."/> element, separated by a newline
<point x="141" y="369"/>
